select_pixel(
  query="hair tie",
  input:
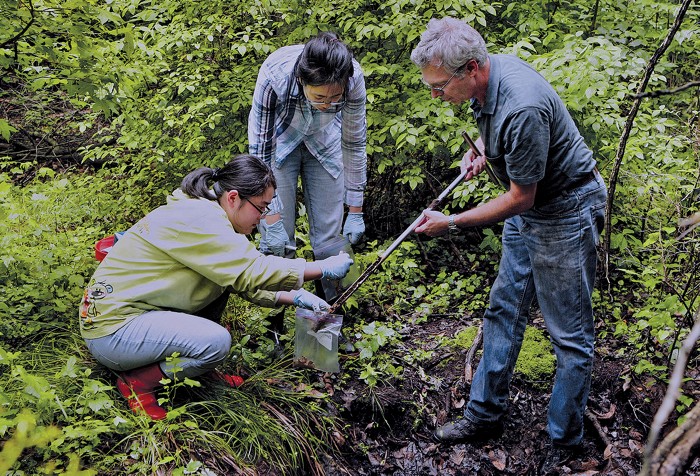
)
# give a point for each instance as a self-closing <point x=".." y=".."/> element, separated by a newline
<point x="215" y="174"/>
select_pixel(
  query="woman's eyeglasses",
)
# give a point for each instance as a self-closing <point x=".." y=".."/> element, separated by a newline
<point x="263" y="211"/>
<point x="330" y="106"/>
<point x="336" y="104"/>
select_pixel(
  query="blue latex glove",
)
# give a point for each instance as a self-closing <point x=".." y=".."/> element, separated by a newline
<point x="275" y="239"/>
<point x="354" y="228"/>
<point x="307" y="300"/>
<point x="336" y="267"/>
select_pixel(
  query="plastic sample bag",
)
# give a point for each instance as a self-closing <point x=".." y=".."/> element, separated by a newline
<point x="316" y="340"/>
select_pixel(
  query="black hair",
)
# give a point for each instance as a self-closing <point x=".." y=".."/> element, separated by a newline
<point x="324" y="60"/>
<point x="247" y="174"/>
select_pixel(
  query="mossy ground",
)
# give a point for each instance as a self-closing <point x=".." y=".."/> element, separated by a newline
<point x="536" y="361"/>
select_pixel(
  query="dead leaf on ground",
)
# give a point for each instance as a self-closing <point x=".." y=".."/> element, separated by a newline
<point x="328" y="383"/>
<point x="607" y="454"/>
<point x="338" y="438"/>
<point x="429" y="448"/>
<point x="458" y="456"/>
<point x="374" y="459"/>
<point x="589" y="465"/>
<point x="441" y="417"/>
<point x="498" y="459"/>
<point x="407" y="452"/>
<point x="635" y="445"/>
<point x="607" y="415"/>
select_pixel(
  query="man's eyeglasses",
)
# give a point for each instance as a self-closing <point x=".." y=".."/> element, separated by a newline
<point x="263" y="211"/>
<point x="441" y="89"/>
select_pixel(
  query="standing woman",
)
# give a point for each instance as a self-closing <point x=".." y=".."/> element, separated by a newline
<point x="165" y="283"/>
<point x="308" y="119"/>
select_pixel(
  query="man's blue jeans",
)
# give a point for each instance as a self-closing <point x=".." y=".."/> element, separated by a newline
<point x="549" y="252"/>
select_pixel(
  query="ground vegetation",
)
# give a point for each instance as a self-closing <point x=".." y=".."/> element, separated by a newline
<point x="104" y="106"/>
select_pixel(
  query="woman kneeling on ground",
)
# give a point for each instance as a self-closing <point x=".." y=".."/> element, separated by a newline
<point x="165" y="283"/>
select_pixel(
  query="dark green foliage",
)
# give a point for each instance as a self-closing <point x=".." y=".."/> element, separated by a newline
<point x="140" y="93"/>
<point x="45" y="255"/>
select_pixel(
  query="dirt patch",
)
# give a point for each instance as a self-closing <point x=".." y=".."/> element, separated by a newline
<point x="390" y="428"/>
<point x="51" y="132"/>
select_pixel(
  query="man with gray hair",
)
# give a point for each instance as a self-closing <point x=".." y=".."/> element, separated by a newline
<point x="553" y="212"/>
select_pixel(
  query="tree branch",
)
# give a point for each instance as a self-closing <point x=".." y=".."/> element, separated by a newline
<point x="24" y="30"/>
<point x="468" y="369"/>
<point x="664" y="92"/>
<point x="675" y="452"/>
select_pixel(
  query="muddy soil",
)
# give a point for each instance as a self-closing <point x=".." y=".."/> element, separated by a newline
<point x="390" y="429"/>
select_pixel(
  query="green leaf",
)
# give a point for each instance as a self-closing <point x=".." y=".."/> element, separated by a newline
<point x="6" y="129"/>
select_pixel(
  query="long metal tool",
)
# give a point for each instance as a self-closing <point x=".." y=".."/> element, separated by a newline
<point x="385" y="254"/>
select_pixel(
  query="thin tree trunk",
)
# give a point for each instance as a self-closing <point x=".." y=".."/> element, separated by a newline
<point x="594" y="21"/>
<point x="628" y="128"/>
<point x="687" y="438"/>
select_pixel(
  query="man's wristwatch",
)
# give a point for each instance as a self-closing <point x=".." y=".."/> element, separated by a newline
<point x="452" y="226"/>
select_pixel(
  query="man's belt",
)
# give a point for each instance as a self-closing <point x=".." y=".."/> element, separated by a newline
<point x="589" y="177"/>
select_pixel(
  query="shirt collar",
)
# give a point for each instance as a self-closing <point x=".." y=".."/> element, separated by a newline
<point x="296" y="91"/>
<point x="491" y="89"/>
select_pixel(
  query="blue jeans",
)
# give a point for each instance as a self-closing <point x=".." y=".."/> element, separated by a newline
<point x="549" y="252"/>
<point x="151" y="337"/>
<point x="323" y="197"/>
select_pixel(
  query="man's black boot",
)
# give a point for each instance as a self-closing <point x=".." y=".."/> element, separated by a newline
<point x="466" y="430"/>
<point x="555" y="457"/>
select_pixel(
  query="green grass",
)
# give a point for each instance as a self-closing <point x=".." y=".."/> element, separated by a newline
<point x="273" y="421"/>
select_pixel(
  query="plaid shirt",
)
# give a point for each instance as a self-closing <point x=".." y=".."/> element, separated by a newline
<point x="281" y="118"/>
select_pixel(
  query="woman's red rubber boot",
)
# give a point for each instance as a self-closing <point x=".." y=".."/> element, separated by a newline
<point x="232" y="380"/>
<point x="138" y="386"/>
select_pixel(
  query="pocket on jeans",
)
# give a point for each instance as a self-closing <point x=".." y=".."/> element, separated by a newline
<point x="598" y="219"/>
<point x="560" y="206"/>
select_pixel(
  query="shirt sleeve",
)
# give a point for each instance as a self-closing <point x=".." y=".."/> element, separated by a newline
<point x="261" y="120"/>
<point x="262" y="138"/>
<point x="526" y="148"/>
<point x="262" y="298"/>
<point x="229" y="259"/>
<point x="354" y="140"/>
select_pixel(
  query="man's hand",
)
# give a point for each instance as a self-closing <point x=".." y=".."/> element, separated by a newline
<point x="473" y="162"/>
<point x="434" y="223"/>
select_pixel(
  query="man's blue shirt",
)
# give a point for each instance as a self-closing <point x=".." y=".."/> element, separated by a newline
<point x="528" y="134"/>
